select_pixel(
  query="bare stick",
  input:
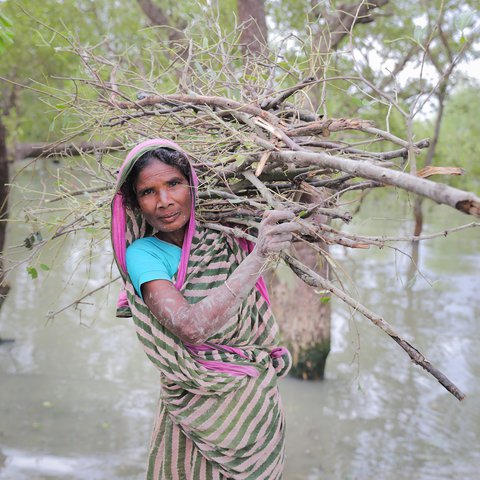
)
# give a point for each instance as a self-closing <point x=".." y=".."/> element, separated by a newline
<point x="466" y="202"/>
<point x="270" y="103"/>
<point x="51" y="315"/>
<point x="313" y="279"/>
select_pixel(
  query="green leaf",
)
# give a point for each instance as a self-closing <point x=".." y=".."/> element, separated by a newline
<point x="5" y="39"/>
<point x="325" y="300"/>
<point x="464" y="20"/>
<point x="45" y="267"/>
<point x="6" y="36"/>
<point x="32" y="271"/>
<point x="419" y="33"/>
<point x="4" y="20"/>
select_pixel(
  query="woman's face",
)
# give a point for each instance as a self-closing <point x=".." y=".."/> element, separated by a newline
<point x="164" y="198"/>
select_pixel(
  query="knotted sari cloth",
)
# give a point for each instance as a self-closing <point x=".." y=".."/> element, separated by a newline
<point x="220" y="414"/>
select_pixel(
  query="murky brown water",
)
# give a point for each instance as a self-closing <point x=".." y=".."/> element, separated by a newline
<point x="77" y="395"/>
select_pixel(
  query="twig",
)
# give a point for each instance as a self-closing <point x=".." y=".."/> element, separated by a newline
<point x="271" y="103"/>
<point x="52" y="315"/>
<point x="466" y="202"/>
<point x="313" y="279"/>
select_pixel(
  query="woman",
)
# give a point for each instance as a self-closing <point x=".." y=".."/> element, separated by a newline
<point x="202" y="314"/>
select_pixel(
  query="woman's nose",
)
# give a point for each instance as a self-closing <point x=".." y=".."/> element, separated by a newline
<point x="163" y="199"/>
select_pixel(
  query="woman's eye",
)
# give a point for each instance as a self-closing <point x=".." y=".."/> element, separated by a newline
<point x="174" y="183"/>
<point x="147" y="192"/>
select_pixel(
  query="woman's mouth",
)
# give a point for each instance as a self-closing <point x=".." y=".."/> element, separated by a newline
<point x="169" y="218"/>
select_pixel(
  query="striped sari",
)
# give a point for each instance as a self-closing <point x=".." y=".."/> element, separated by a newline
<point x="220" y="414"/>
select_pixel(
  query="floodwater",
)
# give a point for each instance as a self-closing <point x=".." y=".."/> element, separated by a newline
<point x="77" y="394"/>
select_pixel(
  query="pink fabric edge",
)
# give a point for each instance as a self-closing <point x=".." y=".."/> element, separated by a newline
<point x="247" y="246"/>
<point x="119" y="218"/>
<point x="230" y="368"/>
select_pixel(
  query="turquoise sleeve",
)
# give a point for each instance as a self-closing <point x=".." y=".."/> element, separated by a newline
<point x="148" y="259"/>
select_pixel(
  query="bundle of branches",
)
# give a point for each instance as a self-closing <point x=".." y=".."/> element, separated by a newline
<point x="270" y="153"/>
<point x="254" y="149"/>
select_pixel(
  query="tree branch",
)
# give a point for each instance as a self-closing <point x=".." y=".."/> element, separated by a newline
<point x="314" y="280"/>
<point x="38" y="150"/>
<point x="466" y="202"/>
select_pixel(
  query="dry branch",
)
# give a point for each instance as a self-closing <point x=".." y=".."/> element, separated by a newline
<point x="38" y="150"/>
<point x="466" y="202"/>
<point x="315" y="280"/>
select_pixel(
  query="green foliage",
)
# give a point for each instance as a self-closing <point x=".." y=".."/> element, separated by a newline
<point x="32" y="271"/>
<point x="48" y="34"/>
<point x="43" y="58"/>
<point x="6" y="33"/>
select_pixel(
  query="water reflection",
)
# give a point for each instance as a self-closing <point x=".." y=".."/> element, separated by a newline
<point x="77" y="394"/>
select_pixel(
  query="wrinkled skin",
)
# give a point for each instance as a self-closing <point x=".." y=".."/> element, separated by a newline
<point x="163" y="195"/>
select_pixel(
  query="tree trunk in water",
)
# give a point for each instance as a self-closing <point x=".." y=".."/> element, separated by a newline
<point x="418" y="204"/>
<point x="304" y="315"/>
<point x="3" y="207"/>
<point x="303" y="318"/>
<point x="418" y="215"/>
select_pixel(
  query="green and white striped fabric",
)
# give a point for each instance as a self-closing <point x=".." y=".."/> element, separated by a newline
<point x="213" y="422"/>
<point x="214" y="425"/>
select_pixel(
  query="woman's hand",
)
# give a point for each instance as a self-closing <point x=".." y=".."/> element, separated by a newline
<point x="275" y="232"/>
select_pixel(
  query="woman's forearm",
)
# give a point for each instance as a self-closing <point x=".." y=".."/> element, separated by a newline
<point x="213" y="312"/>
<point x="196" y="323"/>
